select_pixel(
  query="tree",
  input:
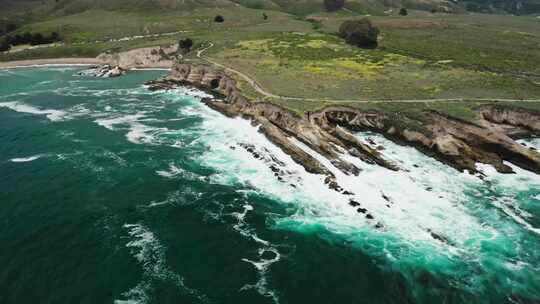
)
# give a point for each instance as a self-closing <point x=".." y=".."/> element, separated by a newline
<point x="37" y="39"/>
<point x="26" y="38"/>
<point x="55" y="37"/>
<point x="10" y="27"/>
<point x="185" y="45"/>
<point x="4" y="45"/>
<point x="219" y="19"/>
<point x="334" y="5"/>
<point x="16" y="40"/>
<point x="360" y="33"/>
<point x="403" y="12"/>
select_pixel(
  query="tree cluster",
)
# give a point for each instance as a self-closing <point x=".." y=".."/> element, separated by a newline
<point x="7" y="28"/>
<point x="33" y="39"/>
<point x="219" y="19"/>
<point x="334" y="5"/>
<point x="360" y="33"/>
<point x="185" y="45"/>
<point x="4" y="45"/>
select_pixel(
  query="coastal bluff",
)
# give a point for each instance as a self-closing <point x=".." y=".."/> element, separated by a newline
<point x="490" y="139"/>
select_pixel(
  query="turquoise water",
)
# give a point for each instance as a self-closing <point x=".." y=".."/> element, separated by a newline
<point x="110" y="193"/>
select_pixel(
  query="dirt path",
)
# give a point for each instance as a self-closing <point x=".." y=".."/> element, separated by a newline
<point x="265" y="93"/>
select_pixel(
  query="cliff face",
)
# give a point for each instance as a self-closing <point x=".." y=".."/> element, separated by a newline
<point x="453" y="141"/>
<point x="524" y="120"/>
<point x="160" y="57"/>
<point x="458" y="143"/>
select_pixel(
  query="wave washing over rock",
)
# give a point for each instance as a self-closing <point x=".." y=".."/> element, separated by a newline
<point x="424" y="215"/>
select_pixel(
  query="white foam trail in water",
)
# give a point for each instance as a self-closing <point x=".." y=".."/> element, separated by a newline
<point x="263" y="264"/>
<point x="52" y="115"/>
<point x="26" y="159"/>
<point x="175" y="172"/>
<point x="137" y="132"/>
<point x="147" y="249"/>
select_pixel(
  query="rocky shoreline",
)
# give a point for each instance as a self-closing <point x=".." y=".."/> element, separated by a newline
<point x="103" y="71"/>
<point x="456" y="142"/>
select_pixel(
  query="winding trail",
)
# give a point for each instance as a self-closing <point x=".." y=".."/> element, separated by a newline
<point x="257" y="87"/>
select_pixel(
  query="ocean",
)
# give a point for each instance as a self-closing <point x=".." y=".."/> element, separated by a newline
<point x="110" y="193"/>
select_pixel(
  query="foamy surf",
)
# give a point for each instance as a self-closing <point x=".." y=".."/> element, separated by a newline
<point x="138" y="133"/>
<point x="263" y="264"/>
<point x="52" y="115"/>
<point x="150" y="253"/>
<point x="424" y="214"/>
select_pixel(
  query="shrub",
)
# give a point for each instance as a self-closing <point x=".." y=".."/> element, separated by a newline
<point x="10" y="27"/>
<point x="403" y="12"/>
<point x="26" y="38"/>
<point x="4" y="45"/>
<point x="219" y="19"/>
<point x="315" y="24"/>
<point x="37" y="39"/>
<point x="185" y="45"/>
<point x="334" y="5"/>
<point x="360" y="33"/>
<point x="55" y="37"/>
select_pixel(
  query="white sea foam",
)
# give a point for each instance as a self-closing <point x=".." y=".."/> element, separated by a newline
<point x="426" y="207"/>
<point x="150" y="253"/>
<point x="52" y="115"/>
<point x="26" y="159"/>
<point x="175" y="171"/>
<point x="262" y="265"/>
<point x="138" y="132"/>
<point x="506" y="188"/>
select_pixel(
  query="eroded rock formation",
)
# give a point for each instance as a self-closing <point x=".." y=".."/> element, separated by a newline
<point x="104" y="71"/>
<point x="458" y="143"/>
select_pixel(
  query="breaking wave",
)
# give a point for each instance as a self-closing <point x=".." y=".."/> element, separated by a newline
<point x="52" y="115"/>
<point x="426" y="215"/>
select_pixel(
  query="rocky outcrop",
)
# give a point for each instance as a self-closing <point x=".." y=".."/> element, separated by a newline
<point x="283" y="127"/>
<point x="458" y="143"/>
<point x="104" y="71"/>
<point x="155" y="57"/>
<point x="516" y="122"/>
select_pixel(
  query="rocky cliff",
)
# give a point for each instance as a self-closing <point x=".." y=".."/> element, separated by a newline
<point x="456" y="142"/>
<point x="151" y="57"/>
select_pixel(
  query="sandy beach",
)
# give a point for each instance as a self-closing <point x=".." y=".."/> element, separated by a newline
<point x="54" y="61"/>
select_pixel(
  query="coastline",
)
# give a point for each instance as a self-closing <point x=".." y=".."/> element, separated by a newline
<point x="73" y="62"/>
<point x="52" y="61"/>
<point x="451" y="140"/>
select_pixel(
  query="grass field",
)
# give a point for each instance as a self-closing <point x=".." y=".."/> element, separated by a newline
<point x="321" y="66"/>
